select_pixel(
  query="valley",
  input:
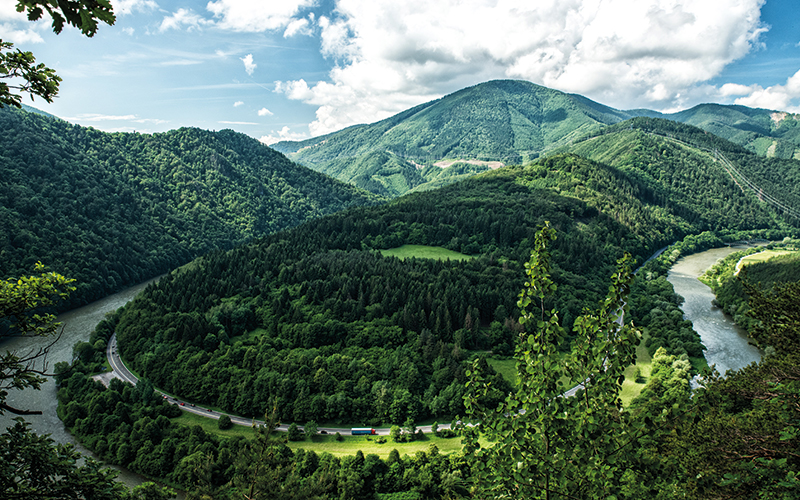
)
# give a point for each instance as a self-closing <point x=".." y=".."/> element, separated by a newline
<point x="393" y="302"/>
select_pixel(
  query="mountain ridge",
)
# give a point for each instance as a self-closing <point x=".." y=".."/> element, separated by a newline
<point x="510" y="121"/>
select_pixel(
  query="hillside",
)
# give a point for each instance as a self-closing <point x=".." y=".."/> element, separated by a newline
<point x="330" y="318"/>
<point x="686" y="175"/>
<point x="111" y="210"/>
<point x="511" y="122"/>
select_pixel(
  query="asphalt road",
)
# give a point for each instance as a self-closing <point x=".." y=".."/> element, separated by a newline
<point x="118" y="370"/>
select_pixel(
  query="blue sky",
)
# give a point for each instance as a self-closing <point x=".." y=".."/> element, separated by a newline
<point x="293" y="69"/>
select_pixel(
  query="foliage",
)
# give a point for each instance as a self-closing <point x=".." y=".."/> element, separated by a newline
<point x="315" y="317"/>
<point x="142" y="436"/>
<point x="33" y="466"/>
<point x="20" y="67"/>
<point x="224" y="422"/>
<point x="545" y="444"/>
<point x="24" y="310"/>
<point x="744" y="445"/>
<point x="731" y="289"/>
<point x="112" y="210"/>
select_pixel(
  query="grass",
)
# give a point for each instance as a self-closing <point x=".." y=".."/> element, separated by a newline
<point x="327" y="443"/>
<point x="351" y="444"/>
<point x="506" y="367"/>
<point x="631" y="388"/>
<point x="424" y="252"/>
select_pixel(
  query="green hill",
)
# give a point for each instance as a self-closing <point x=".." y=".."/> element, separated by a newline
<point x="506" y="121"/>
<point x="111" y="210"/>
<point x="366" y="338"/>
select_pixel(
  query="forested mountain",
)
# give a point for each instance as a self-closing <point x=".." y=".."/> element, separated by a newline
<point x="111" y="210"/>
<point x="317" y="318"/>
<point x="511" y="122"/>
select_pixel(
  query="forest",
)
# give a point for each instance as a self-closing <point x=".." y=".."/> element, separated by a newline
<point x="317" y="311"/>
<point x="112" y="210"/>
<point x="299" y="321"/>
<point x="670" y="442"/>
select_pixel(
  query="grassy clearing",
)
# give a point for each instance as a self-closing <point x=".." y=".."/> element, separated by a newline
<point x="424" y="252"/>
<point x="351" y="444"/>
<point x="506" y="367"/>
<point x="210" y="425"/>
<point x="327" y="443"/>
<point x="763" y="256"/>
<point x="630" y="388"/>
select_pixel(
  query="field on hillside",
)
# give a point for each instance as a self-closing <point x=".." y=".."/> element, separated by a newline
<point x="424" y="252"/>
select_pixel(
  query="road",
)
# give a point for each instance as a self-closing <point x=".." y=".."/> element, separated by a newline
<point x="120" y="371"/>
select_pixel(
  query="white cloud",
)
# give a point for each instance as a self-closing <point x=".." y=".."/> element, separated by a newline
<point x="10" y="33"/>
<point x="8" y="12"/>
<point x="123" y="7"/>
<point x="237" y="104"/>
<point x="625" y="53"/>
<point x="95" y="117"/>
<point x="284" y="134"/>
<point x="238" y="123"/>
<point x="264" y="112"/>
<point x="256" y="15"/>
<point x="299" y="27"/>
<point x="183" y="18"/>
<point x="129" y="30"/>
<point x="249" y="65"/>
<point x="776" y="97"/>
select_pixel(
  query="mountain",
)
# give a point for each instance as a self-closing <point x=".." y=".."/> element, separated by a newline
<point x="499" y="123"/>
<point x="111" y="210"/>
<point x="511" y="122"/>
<point x="371" y="338"/>
<point x="762" y="131"/>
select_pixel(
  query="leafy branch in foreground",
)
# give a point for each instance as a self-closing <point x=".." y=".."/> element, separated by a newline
<point x="20" y="67"/>
<point x="21" y="303"/>
<point x="547" y="442"/>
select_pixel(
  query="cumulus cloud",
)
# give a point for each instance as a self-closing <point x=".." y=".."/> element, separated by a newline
<point x="264" y="112"/>
<point x="183" y="18"/>
<point x="249" y="65"/>
<point x="237" y="104"/>
<point x="256" y="15"/>
<point x="776" y="97"/>
<point x="123" y="7"/>
<point x="625" y="53"/>
<point x="284" y="134"/>
<point x="299" y="27"/>
<point x="10" y="33"/>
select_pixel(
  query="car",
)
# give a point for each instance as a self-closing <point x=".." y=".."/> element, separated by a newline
<point x="183" y="404"/>
<point x="323" y="431"/>
<point x="209" y="409"/>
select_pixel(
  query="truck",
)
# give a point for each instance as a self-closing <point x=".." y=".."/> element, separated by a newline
<point x="362" y="430"/>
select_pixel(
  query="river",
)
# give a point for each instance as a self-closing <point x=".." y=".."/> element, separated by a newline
<point x="78" y="325"/>
<point x="727" y="345"/>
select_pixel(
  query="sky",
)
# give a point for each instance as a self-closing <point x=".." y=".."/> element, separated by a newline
<point x="295" y="69"/>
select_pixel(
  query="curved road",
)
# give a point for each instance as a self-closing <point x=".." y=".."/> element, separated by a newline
<point x="118" y="370"/>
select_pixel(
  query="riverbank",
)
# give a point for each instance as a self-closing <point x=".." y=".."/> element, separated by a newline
<point x="727" y="346"/>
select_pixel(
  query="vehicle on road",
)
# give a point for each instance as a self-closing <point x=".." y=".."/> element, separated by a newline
<point x="355" y="431"/>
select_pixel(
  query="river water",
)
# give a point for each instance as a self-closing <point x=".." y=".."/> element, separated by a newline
<point x="78" y="325"/>
<point x="727" y="345"/>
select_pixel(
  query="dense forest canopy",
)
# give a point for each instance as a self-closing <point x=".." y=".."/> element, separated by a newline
<point x="317" y="312"/>
<point x="112" y="210"/>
